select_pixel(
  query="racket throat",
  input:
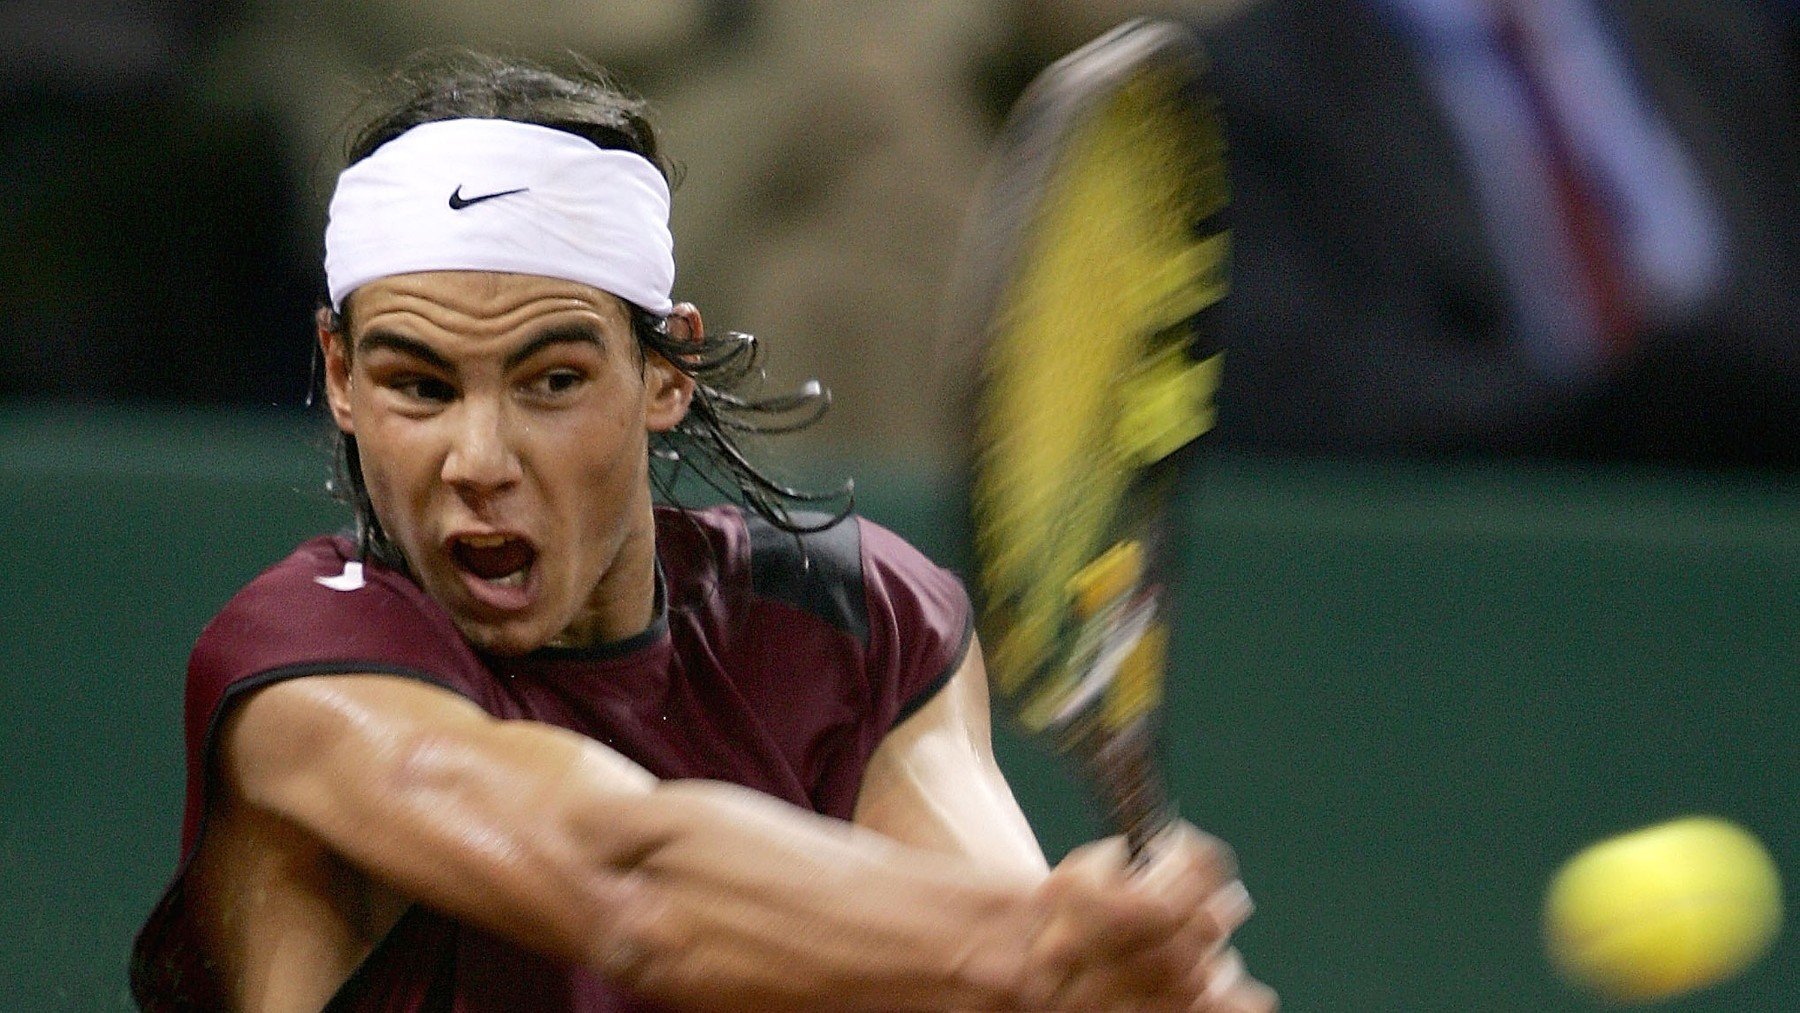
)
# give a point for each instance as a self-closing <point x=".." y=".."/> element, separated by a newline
<point x="1123" y="639"/>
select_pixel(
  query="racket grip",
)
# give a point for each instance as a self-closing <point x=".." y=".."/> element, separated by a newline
<point x="1126" y="775"/>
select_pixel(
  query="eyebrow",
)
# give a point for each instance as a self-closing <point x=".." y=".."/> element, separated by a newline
<point x="565" y="334"/>
<point x="562" y="334"/>
<point x="379" y="339"/>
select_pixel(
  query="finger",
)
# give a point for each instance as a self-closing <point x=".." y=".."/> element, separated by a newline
<point x="1251" y="997"/>
<point x="1227" y="974"/>
<point x="1087" y="930"/>
<point x="1183" y="959"/>
<point x="1225" y="987"/>
<point x="1094" y="965"/>
<point x="1230" y="989"/>
<point x="1157" y="940"/>
<point x="1197" y="874"/>
<point x="1184" y="852"/>
<point x="1204" y="930"/>
<point x="1110" y="936"/>
<point x="1247" y="996"/>
<point x="1108" y="988"/>
<point x="1099" y="952"/>
<point x="1094" y="905"/>
<point x="1222" y="913"/>
<point x="1097" y="861"/>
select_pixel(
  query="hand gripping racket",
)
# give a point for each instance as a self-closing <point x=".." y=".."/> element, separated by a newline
<point x="1090" y="277"/>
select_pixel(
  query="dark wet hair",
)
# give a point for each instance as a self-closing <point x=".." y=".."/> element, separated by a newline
<point x="725" y="367"/>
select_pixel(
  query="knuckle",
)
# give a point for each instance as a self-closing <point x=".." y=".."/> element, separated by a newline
<point x="1228" y="908"/>
<point x="1217" y="856"/>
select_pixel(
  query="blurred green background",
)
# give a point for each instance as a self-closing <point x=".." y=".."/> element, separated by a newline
<point x="1407" y="693"/>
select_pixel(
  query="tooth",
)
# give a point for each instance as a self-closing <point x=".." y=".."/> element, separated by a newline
<point x="513" y="579"/>
<point x="484" y="541"/>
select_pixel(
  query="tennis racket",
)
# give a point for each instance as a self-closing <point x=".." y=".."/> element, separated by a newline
<point x="1090" y="278"/>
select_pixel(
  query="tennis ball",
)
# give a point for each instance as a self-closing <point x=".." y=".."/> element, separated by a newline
<point x="1663" y="910"/>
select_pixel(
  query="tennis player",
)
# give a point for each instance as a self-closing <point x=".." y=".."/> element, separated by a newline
<point x="528" y="741"/>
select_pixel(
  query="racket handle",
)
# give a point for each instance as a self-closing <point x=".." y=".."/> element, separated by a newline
<point x="1124" y="770"/>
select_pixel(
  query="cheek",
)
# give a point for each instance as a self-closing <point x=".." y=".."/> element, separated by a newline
<point x="600" y="468"/>
<point x="607" y="458"/>
<point x="396" y="469"/>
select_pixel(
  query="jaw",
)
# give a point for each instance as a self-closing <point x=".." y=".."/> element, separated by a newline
<point x="621" y="602"/>
<point x="501" y="639"/>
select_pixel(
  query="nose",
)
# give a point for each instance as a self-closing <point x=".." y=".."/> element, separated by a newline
<point x="482" y="459"/>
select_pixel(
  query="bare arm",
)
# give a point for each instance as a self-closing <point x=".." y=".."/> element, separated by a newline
<point x="1105" y="937"/>
<point x="697" y="893"/>
<point x="934" y="783"/>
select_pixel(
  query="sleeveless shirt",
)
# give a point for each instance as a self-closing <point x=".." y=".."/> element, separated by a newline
<point x="775" y="661"/>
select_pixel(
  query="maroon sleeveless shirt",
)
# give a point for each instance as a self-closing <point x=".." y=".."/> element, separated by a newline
<point x="776" y="662"/>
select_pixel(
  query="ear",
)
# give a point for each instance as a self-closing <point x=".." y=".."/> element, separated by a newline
<point x="334" y="348"/>
<point x="668" y="390"/>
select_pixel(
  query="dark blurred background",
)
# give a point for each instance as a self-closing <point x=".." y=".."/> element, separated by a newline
<point x="1499" y="552"/>
<point x="1465" y="228"/>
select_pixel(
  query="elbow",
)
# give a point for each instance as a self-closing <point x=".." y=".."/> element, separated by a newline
<point x="521" y="829"/>
<point x="540" y="853"/>
<point x="442" y="795"/>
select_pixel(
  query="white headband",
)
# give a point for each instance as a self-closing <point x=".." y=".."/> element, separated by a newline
<point x="499" y="195"/>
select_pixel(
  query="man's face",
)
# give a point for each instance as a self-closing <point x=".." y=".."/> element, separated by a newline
<point x="502" y="421"/>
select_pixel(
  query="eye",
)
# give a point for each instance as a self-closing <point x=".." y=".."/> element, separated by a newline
<point x="427" y="389"/>
<point x="556" y="383"/>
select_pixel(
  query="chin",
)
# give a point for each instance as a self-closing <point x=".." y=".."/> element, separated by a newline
<point x="504" y="640"/>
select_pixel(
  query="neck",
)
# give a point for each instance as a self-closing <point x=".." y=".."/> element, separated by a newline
<point x="624" y="602"/>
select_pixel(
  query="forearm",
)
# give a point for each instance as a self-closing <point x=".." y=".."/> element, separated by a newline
<point x="710" y="896"/>
<point x="761" y="906"/>
<point x="701" y="894"/>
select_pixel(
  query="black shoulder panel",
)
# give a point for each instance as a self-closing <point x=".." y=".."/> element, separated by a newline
<point x="820" y="573"/>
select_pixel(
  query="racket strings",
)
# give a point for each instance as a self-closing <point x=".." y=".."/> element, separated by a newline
<point x="1090" y="379"/>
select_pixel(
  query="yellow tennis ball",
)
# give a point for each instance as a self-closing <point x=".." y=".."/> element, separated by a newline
<point x="1663" y="910"/>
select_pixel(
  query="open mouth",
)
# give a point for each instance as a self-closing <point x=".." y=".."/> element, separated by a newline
<point x="501" y="560"/>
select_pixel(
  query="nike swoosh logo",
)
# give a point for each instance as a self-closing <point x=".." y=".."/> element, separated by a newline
<point x="350" y="580"/>
<point x="458" y="201"/>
